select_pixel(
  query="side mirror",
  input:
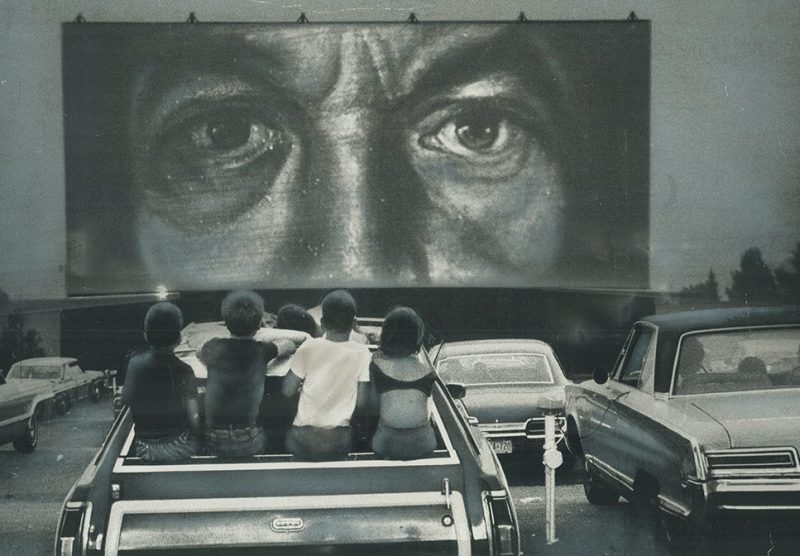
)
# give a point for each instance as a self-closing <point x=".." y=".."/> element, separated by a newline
<point x="600" y="375"/>
<point x="457" y="390"/>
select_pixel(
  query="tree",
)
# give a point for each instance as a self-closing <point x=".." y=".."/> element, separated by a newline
<point x="17" y="344"/>
<point x="702" y="291"/>
<point x="787" y="276"/>
<point x="754" y="282"/>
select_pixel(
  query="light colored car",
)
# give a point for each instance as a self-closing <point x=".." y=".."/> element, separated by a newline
<point x="507" y="382"/>
<point x="68" y="381"/>
<point x="700" y="416"/>
<point x="22" y="404"/>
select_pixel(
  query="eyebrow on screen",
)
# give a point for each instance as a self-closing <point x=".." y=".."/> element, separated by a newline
<point x="471" y="61"/>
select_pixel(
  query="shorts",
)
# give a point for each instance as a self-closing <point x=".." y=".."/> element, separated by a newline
<point x="392" y="443"/>
<point x="168" y="449"/>
<point x="314" y="443"/>
<point x="233" y="441"/>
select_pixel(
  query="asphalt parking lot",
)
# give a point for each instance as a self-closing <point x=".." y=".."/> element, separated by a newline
<point x="33" y="487"/>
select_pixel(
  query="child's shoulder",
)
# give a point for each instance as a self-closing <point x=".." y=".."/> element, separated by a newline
<point x="313" y="344"/>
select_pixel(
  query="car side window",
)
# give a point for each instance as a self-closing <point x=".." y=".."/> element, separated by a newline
<point x="633" y="364"/>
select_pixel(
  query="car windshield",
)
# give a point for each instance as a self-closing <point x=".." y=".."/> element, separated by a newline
<point x="758" y="359"/>
<point x="35" y="371"/>
<point x="496" y="367"/>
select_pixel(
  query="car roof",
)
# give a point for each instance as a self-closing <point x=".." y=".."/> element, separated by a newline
<point x="46" y="361"/>
<point x="727" y="317"/>
<point x="473" y="347"/>
<point x="672" y="326"/>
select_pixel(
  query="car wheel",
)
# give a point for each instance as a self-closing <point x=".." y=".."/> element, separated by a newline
<point x="94" y="392"/>
<point x="26" y="443"/>
<point x="62" y="404"/>
<point x="596" y="492"/>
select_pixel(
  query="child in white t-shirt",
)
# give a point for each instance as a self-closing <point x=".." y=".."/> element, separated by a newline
<point x="332" y="376"/>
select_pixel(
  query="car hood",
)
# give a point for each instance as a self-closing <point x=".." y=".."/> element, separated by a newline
<point x="509" y="403"/>
<point x="754" y="419"/>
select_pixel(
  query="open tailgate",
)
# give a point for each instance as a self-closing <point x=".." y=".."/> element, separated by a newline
<point x="390" y="523"/>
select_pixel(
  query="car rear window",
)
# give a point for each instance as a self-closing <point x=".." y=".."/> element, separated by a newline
<point x="739" y="360"/>
<point x="492" y="368"/>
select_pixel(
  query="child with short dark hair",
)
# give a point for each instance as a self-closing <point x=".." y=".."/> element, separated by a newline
<point x="236" y="370"/>
<point x="332" y="376"/>
<point x="161" y="392"/>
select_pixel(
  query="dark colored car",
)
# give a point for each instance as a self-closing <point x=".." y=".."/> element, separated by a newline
<point x="699" y="417"/>
<point x="507" y="383"/>
<point x="454" y="502"/>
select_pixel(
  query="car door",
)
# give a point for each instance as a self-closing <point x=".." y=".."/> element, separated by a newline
<point x="632" y="390"/>
<point x="596" y="415"/>
<point x="81" y="379"/>
<point x="68" y="379"/>
<point x="14" y="403"/>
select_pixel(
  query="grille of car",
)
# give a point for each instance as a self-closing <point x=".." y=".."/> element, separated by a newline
<point x="766" y="460"/>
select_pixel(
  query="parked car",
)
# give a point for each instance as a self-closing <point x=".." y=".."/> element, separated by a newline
<point x="22" y="404"/>
<point x="699" y="417"/>
<point x="507" y="382"/>
<point x="68" y="381"/>
<point x="456" y="501"/>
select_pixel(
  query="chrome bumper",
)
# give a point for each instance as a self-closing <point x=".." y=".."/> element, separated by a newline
<point x="532" y="429"/>
<point x="749" y="494"/>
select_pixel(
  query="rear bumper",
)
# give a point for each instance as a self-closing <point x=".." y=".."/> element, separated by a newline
<point x="745" y="495"/>
<point x="531" y="430"/>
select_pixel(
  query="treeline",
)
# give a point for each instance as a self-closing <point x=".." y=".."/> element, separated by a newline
<point x="754" y="282"/>
<point x="16" y="341"/>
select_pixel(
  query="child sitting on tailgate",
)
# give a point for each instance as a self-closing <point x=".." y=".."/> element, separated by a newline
<point x="332" y="376"/>
<point x="160" y="389"/>
<point x="236" y="371"/>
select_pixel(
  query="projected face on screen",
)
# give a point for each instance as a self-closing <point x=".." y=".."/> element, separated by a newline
<point x="371" y="155"/>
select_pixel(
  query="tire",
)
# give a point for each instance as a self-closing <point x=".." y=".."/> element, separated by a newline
<point x="596" y="492"/>
<point x="94" y="391"/>
<point x="26" y="443"/>
<point x="62" y="404"/>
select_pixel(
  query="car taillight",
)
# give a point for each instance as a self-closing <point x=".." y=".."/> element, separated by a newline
<point x="504" y="533"/>
<point x="73" y="529"/>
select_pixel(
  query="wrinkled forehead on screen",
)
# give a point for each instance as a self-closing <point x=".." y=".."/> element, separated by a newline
<point x="365" y="63"/>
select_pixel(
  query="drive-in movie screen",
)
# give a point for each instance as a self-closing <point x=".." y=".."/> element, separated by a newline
<point x="368" y="155"/>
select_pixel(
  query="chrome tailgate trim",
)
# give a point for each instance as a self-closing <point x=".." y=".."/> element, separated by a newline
<point x="215" y="505"/>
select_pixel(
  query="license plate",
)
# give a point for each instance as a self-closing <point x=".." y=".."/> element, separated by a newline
<point x="501" y="446"/>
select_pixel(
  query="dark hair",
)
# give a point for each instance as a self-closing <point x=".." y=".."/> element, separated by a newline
<point x="294" y="317"/>
<point x="242" y="311"/>
<point x="162" y="325"/>
<point x="402" y="332"/>
<point x="338" y="311"/>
